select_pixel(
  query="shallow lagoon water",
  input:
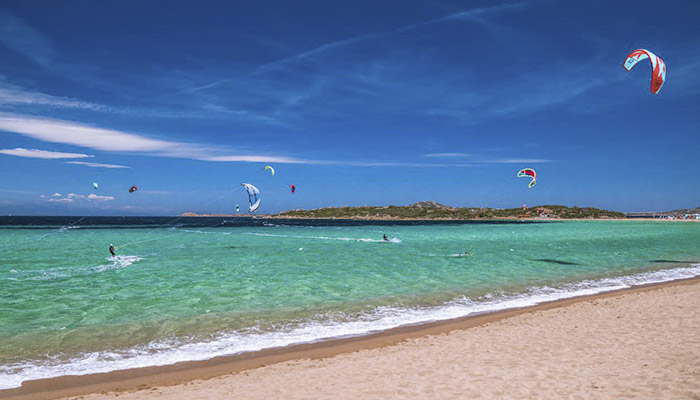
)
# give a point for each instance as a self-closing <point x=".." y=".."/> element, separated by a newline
<point x="185" y="293"/>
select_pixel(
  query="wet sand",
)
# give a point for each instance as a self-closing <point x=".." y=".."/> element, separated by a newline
<point x="642" y="342"/>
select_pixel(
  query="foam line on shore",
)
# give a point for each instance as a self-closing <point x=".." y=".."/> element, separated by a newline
<point x="320" y="329"/>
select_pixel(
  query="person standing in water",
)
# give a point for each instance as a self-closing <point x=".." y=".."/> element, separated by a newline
<point x="111" y="250"/>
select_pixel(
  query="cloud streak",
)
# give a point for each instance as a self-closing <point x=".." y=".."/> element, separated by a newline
<point x="83" y="135"/>
<point x="89" y="136"/>
<point x="72" y="197"/>
<point x="516" y="160"/>
<point x="15" y="95"/>
<point x="469" y="15"/>
<point x="97" y="165"/>
<point x="45" y="154"/>
<point x="62" y="200"/>
<point x="99" y="198"/>
<point x="461" y="15"/>
<point x="447" y="155"/>
<point x="77" y="134"/>
<point x="22" y="38"/>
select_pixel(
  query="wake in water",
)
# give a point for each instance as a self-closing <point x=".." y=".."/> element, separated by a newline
<point x="65" y="272"/>
<point x="345" y="239"/>
<point x="118" y="262"/>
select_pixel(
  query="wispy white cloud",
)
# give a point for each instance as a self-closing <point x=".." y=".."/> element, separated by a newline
<point x="15" y="95"/>
<point x="156" y="192"/>
<point x="553" y="92"/>
<point x="17" y="191"/>
<point x="77" y="134"/>
<point x="61" y="200"/>
<point x="390" y="164"/>
<point x="99" y="198"/>
<point x="460" y="15"/>
<point x="97" y="165"/>
<point x="515" y="96"/>
<point x="45" y="154"/>
<point x="72" y="197"/>
<point x="516" y="160"/>
<point x="471" y="15"/>
<point x="24" y="39"/>
<point x="207" y="86"/>
<point x="83" y="135"/>
<point x="253" y="158"/>
<point x="447" y="155"/>
<point x="475" y="160"/>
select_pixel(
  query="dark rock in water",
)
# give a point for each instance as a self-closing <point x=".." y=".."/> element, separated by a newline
<point x="560" y="262"/>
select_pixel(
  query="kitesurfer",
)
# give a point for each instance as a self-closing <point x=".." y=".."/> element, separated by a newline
<point x="386" y="239"/>
<point x="111" y="250"/>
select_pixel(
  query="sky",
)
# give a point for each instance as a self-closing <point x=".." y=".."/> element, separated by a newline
<point x="354" y="103"/>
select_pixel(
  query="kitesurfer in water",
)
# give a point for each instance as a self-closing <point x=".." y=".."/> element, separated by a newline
<point x="386" y="239"/>
<point x="111" y="250"/>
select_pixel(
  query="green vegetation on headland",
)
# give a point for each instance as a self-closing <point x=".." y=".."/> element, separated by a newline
<point x="428" y="210"/>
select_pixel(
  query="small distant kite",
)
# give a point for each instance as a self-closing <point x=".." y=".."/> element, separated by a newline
<point x="133" y="189"/>
<point x="294" y="188"/>
<point x="254" y="198"/>
<point x="528" y="172"/>
<point x="272" y="170"/>
<point x="94" y="184"/>
<point x="658" y="74"/>
<point x="237" y="208"/>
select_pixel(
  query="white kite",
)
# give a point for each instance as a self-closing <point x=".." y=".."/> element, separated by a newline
<point x="254" y="198"/>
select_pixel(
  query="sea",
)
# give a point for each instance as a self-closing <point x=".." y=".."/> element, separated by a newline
<point x="182" y="289"/>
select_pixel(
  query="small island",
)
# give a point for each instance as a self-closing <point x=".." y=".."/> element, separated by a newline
<point x="430" y="210"/>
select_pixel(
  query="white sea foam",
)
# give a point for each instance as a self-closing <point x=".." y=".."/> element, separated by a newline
<point x="197" y="231"/>
<point x="345" y="239"/>
<point x="120" y="261"/>
<point x="323" y="328"/>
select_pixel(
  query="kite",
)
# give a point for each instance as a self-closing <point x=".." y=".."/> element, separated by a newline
<point x="658" y="74"/>
<point x="294" y="188"/>
<point x="270" y="168"/>
<point x="524" y="173"/>
<point x="94" y="184"/>
<point x="133" y="189"/>
<point x="237" y="208"/>
<point x="253" y="197"/>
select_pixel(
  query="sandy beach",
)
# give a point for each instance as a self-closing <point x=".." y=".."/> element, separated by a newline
<point x="638" y="343"/>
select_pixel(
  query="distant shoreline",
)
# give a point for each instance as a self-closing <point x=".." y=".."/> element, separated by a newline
<point x="432" y="211"/>
<point x="513" y="219"/>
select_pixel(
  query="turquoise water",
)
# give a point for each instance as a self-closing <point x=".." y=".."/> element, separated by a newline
<point x="67" y="306"/>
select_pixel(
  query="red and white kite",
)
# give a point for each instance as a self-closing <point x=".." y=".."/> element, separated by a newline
<point x="658" y="75"/>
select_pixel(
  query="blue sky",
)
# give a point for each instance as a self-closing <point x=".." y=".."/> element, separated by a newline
<point x="353" y="102"/>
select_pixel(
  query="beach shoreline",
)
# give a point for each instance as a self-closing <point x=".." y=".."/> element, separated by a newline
<point x="181" y="373"/>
